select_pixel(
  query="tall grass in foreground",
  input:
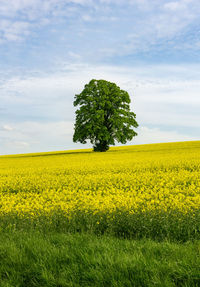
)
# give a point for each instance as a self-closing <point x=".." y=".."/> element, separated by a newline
<point x="57" y="259"/>
<point x="173" y="226"/>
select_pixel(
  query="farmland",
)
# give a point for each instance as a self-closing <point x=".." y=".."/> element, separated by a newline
<point x="134" y="191"/>
<point x="134" y="205"/>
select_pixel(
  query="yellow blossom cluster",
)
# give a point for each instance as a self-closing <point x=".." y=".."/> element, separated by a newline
<point x="130" y="178"/>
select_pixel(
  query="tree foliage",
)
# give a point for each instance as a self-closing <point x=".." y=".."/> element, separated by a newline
<point x="104" y="115"/>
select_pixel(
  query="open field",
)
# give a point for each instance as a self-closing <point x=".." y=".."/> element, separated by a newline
<point x="127" y="217"/>
<point x="133" y="191"/>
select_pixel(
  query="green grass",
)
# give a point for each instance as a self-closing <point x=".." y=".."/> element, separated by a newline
<point x="172" y="226"/>
<point x="56" y="259"/>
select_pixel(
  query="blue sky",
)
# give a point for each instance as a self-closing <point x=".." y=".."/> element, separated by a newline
<point x="50" y="48"/>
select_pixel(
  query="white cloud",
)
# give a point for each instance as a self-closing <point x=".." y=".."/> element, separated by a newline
<point x="74" y="56"/>
<point x="158" y="25"/>
<point x="29" y="14"/>
<point x="155" y="20"/>
<point x="20" y="144"/>
<point x="154" y="135"/>
<point x="32" y="136"/>
<point x="7" y="128"/>
<point x="14" y="31"/>
<point x="174" y="6"/>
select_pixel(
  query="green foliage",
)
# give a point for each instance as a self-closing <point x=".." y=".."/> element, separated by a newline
<point x="104" y="115"/>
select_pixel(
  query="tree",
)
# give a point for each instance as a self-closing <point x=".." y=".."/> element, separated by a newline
<point x="104" y="115"/>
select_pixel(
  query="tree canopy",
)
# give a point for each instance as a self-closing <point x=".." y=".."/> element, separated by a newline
<point x="104" y="115"/>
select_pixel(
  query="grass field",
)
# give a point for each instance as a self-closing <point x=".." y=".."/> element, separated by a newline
<point x="30" y="259"/>
<point x="138" y="205"/>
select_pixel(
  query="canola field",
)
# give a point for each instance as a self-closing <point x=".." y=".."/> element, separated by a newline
<point x="145" y="190"/>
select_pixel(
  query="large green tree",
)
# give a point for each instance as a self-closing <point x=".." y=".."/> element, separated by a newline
<point x="104" y="115"/>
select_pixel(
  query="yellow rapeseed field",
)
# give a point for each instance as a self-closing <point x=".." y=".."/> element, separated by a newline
<point x="143" y="178"/>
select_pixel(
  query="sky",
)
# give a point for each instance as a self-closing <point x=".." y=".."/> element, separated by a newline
<point x="49" y="49"/>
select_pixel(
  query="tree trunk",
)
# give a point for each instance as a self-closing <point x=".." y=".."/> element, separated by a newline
<point x="101" y="146"/>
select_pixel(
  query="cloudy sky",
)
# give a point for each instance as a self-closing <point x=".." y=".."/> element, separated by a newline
<point x="49" y="49"/>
